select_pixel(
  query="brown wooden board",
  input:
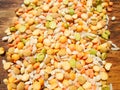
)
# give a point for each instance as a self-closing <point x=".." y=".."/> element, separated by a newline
<point x="7" y="8"/>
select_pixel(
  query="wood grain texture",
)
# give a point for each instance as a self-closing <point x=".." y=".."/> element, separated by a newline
<point x="7" y="8"/>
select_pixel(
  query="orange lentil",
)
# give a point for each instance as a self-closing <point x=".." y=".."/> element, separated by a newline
<point x="85" y="57"/>
<point x="82" y="70"/>
<point x="48" y="1"/>
<point x="93" y="87"/>
<point x="80" y="55"/>
<point x="10" y="45"/>
<point x="110" y="3"/>
<point x="38" y="70"/>
<point x="60" y="0"/>
<point x="15" y="57"/>
<point x="18" y="66"/>
<point x="74" y="56"/>
<point x="77" y="84"/>
<point x="26" y="87"/>
<point x="90" y="73"/>
<point x="79" y="28"/>
<point x="63" y="29"/>
<point x="72" y="47"/>
<point x="41" y="80"/>
<point x="10" y="74"/>
<point x="109" y="9"/>
<point x="39" y="45"/>
<point x="20" y="45"/>
<point x="63" y="39"/>
<point x="72" y="76"/>
<point x="36" y="65"/>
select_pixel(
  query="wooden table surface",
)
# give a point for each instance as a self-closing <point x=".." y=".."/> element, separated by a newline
<point x="7" y="8"/>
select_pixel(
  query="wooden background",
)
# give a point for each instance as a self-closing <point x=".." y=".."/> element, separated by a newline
<point x="7" y="8"/>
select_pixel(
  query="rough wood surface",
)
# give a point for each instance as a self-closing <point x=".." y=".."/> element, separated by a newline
<point x="7" y="8"/>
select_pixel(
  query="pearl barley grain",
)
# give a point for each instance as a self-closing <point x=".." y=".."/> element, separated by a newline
<point x="108" y="66"/>
<point x="113" y="18"/>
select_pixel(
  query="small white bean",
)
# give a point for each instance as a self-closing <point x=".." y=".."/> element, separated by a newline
<point x="108" y="66"/>
<point x="36" y="32"/>
<point x="45" y="8"/>
<point x="68" y="17"/>
<point x="25" y="77"/>
<point x="59" y="76"/>
<point x="96" y="68"/>
<point x="113" y="18"/>
<point x="75" y="16"/>
<point x="104" y="75"/>
<point x="66" y="65"/>
<point x="6" y="65"/>
<point x="84" y="16"/>
<point x="47" y="42"/>
<point x="5" y="81"/>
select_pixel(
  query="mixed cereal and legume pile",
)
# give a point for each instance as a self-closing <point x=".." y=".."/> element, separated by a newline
<point x="58" y="45"/>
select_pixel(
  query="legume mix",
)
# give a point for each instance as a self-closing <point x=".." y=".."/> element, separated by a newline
<point x="58" y="45"/>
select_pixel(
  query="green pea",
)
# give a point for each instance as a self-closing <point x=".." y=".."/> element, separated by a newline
<point x="22" y="28"/>
<point x="77" y="36"/>
<point x="12" y="29"/>
<point x="65" y="2"/>
<point x="104" y="17"/>
<point x="71" y="11"/>
<point x="98" y="2"/>
<point x="105" y="36"/>
<point x="40" y="57"/>
<point x="43" y="51"/>
<point x="24" y="40"/>
<point x="52" y="24"/>
<point x="47" y="24"/>
<point x="104" y="56"/>
<point x="91" y="37"/>
<point x="49" y="18"/>
<point x="80" y="88"/>
<point x="93" y="51"/>
<point x="32" y="5"/>
<point x="72" y="63"/>
<point x="105" y="88"/>
<point x="66" y="25"/>
<point x="107" y="32"/>
<point x="99" y="8"/>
